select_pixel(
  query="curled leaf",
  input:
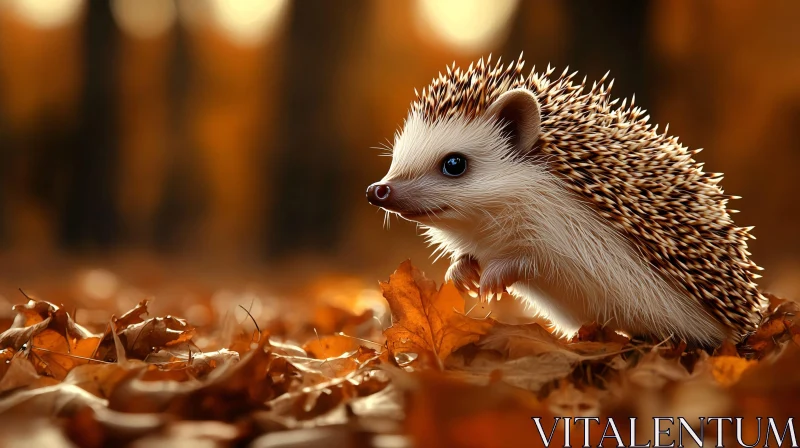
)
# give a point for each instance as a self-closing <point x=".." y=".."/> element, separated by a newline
<point x="17" y="337"/>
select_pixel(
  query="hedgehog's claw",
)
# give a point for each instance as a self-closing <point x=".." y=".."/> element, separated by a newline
<point x="494" y="279"/>
<point x="465" y="274"/>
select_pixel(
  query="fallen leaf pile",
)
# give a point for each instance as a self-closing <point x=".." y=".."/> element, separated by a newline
<point x="428" y="374"/>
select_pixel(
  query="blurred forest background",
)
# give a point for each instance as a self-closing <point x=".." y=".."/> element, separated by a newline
<point x="233" y="136"/>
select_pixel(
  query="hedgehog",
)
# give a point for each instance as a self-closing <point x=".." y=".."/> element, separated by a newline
<point x="543" y="188"/>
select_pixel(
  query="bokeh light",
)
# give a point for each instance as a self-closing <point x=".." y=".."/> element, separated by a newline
<point x="144" y="19"/>
<point x="243" y="22"/>
<point x="470" y="26"/>
<point x="45" y="13"/>
<point x="99" y="284"/>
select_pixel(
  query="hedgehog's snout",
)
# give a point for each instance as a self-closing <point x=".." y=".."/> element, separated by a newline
<point x="379" y="194"/>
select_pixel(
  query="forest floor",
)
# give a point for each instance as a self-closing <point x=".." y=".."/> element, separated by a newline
<point x="410" y="368"/>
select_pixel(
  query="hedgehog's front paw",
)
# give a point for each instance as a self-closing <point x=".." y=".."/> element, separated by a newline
<point x="464" y="273"/>
<point x="495" y="277"/>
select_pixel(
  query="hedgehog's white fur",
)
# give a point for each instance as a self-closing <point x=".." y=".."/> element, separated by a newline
<point x="578" y="270"/>
<point x="603" y="219"/>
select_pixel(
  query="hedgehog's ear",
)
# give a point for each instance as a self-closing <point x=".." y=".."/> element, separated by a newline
<point x="519" y="110"/>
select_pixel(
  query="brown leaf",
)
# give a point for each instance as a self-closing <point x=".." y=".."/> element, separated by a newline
<point x="58" y="400"/>
<point x="654" y="371"/>
<point x="101" y="379"/>
<point x="38" y="310"/>
<point x="427" y="320"/>
<point x="32" y="312"/>
<point x="22" y="374"/>
<point x="231" y="391"/>
<point x="330" y="346"/>
<point x="17" y="337"/>
<point x="244" y="341"/>
<point x="516" y="341"/>
<point x="317" y="405"/>
<point x="196" y="364"/>
<point x="330" y="319"/>
<point x="728" y="369"/>
<point x="143" y="338"/>
<point x="133" y="316"/>
<point x="528" y="372"/>
<point x="768" y="336"/>
<point x="58" y="355"/>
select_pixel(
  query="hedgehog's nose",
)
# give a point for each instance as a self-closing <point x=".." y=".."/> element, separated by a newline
<point x="378" y="193"/>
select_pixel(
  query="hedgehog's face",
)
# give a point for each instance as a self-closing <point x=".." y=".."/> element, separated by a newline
<point x="459" y="169"/>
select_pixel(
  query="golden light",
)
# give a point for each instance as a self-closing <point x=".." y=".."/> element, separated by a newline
<point x="471" y="26"/>
<point x="248" y="22"/>
<point x="44" y="13"/>
<point x="144" y="19"/>
<point x="244" y="22"/>
<point x="99" y="284"/>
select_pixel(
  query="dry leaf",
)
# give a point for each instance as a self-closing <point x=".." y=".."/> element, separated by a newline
<point x="330" y="346"/>
<point x="768" y="336"/>
<point x="186" y="388"/>
<point x="654" y="371"/>
<point x="57" y="400"/>
<point x="17" y="337"/>
<point x="427" y="320"/>
<point x="58" y="356"/>
<point x="133" y="316"/>
<point x="36" y="311"/>
<point x="528" y="372"/>
<point x="728" y="369"/>
<point x="20" y="373"/>
<point x="328" y="319"/>
<point x="142" y="338"/>
<point x="516" y="341"/>
<point x="101" y="379"/>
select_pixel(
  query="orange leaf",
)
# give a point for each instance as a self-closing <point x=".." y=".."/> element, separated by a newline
<point x="764" y="340"/>
<point x="427" y="320"/>
<point x="58" y="355"/>
<point x="728" y="369"/>
<point x="330" y="346"/>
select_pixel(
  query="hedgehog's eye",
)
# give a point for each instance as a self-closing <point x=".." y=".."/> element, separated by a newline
<point x="454" y="165"/>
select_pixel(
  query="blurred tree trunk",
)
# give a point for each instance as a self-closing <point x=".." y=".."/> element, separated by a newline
<point x="89" y="217"/>
<point x="40" y="78"/>
<point x="181" y="202"/>
<point x="590" y="37"/>
<point x="145" y="132"/>
<point x="613" y="35"/>
<point x="309" y="168"/>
